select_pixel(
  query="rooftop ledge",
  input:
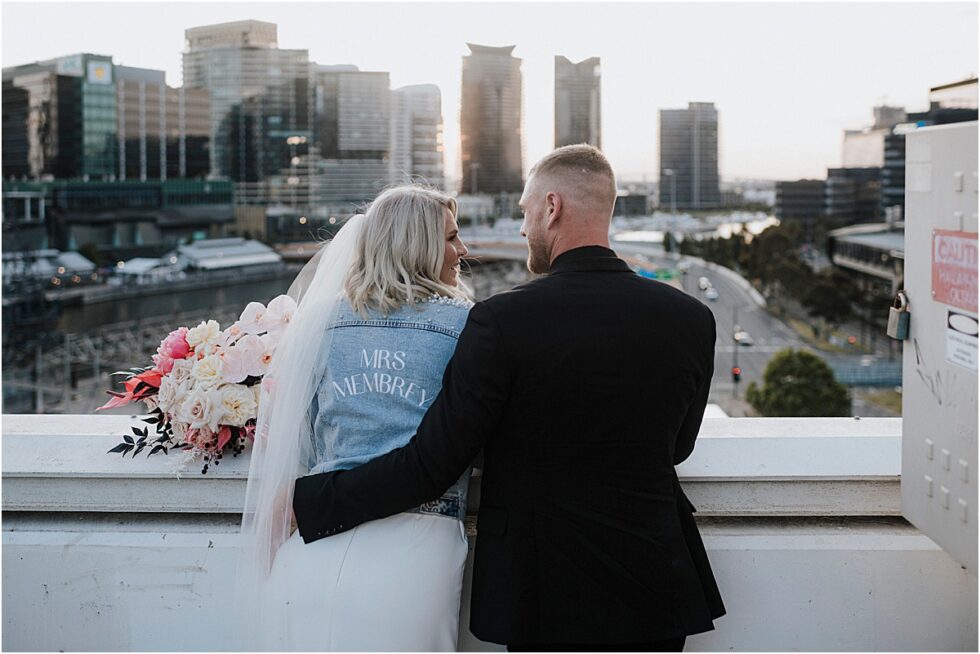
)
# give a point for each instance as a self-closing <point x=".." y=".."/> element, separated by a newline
<point x="800" y="518"/>
<point x="740" y="467"/>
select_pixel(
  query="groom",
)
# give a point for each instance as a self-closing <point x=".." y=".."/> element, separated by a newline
<point x="584" y="388"/>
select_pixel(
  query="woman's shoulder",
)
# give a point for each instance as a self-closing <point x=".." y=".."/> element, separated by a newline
<point x="444" y="311"/>
<point x="451" y="312"/>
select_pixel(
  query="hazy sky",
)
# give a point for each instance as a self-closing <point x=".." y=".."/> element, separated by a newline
<point x="786" y="78"/>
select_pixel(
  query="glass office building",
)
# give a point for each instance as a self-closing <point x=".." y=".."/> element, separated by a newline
<point x="163" y="132"/>
<point x="62" y="117"/>
<point x="578" y="102"/>
<point x="353" y="133"/>
<point x="491" y="121"/>
<point x="689" y="157"/>
<point x="261" y="97"/>
<point x="416" y="135"/>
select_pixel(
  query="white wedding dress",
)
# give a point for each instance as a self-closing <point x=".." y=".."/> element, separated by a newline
<point x="386" y="586"/>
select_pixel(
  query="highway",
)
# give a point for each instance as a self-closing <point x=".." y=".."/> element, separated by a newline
<point x="735" y="305"/>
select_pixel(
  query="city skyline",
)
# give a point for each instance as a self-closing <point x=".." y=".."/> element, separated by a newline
<point x="787" y="79"/>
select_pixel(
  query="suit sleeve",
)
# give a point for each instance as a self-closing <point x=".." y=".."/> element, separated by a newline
<point x="695" y="413"/>
<point x="466" y="412"/>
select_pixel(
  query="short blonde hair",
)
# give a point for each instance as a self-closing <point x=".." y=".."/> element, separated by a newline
<point x="401" y="250"/>
<point x="585" y="167"/>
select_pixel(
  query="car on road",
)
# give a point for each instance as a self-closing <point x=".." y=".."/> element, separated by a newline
<point x="704" y="283"/>
<point x="742" y="337"/>
<point x="710" y="294"/>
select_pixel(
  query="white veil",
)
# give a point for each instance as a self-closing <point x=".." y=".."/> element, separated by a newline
<point x="282" y="445"/>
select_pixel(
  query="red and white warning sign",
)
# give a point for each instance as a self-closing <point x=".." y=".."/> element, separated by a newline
<point x="954" y="268"/>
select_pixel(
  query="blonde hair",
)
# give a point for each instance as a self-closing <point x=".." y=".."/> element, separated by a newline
<point x="401" y="250"/>
<point x="585" y="168"/>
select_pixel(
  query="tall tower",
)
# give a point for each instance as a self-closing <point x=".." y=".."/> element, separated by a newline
<point x="416" y="135"/>
<point x="689" y="157"/>
<point x="353" y="132"/>
<point x="577" y="102"/>
<point x="491" y="121"/>
<point x="261" y="97"/>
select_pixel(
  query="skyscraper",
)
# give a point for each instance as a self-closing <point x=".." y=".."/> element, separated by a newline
<point x="62" y="117"/>
<point x="261" y="97"/>
<point x="416" y="135"/>
<point x="491" y="121"/>
<point x="577" y="102"/>
<point x="163" y="132"/>
<point x="689" y="157"/>
<point x="353" y="133"/>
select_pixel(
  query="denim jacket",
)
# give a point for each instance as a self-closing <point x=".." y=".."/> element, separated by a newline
<point x="381" y="374"/>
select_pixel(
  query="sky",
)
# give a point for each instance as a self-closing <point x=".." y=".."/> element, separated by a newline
<point x="786" y="78"/>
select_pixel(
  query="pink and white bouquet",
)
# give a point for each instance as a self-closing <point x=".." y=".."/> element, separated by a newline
<point x="202" y="391"/>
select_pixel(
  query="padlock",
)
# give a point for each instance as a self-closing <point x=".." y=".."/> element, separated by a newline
<point x="898" y="318"/>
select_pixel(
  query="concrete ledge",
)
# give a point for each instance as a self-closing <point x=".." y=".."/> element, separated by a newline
<point x="744" y="466"/>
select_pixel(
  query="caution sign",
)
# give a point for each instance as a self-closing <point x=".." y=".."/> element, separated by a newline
<point x="954" y="268"/>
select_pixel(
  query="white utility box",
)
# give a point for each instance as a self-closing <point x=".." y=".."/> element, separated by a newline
<point x="939" y="404"/>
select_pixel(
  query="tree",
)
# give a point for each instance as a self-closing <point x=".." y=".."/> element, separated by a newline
<point x="798" y="383"/>
<point x="830" y="297"/>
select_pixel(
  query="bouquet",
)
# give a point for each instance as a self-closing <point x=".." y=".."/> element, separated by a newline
<point x="202" y="391"/>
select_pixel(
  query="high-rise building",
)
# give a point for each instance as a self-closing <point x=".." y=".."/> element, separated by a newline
<point x="577" y="102"/>
<point x="163" y="132"/>
<point x="416" y="135"/>
<point x="113" y="122"/>
<point x="353" y="133"/>
<point x="261" y="97"/>
<point x="61" y="114"/>
<point x="802" y="199"/>
<point x="689" y="157"/>
<point x="853" y="194"/>
<point x="491" y="121"/>
<point x="865" y="148"/>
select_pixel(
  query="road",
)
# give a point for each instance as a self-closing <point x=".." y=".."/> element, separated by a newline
<point x="734" y="306"/>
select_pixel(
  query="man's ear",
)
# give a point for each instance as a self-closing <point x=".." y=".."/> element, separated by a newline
<point x="553" y="207"/>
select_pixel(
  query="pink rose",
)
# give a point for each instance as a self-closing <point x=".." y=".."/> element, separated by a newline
<point x="163" y="364"/>
<point x="175" y="345"/>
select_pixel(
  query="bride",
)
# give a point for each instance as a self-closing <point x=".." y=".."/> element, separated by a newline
<point x="380" y="310"/>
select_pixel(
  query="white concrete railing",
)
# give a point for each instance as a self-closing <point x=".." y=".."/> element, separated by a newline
<point x="800" y="518"/>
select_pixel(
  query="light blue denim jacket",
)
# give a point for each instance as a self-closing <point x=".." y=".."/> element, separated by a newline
<point x="383" y="374"/>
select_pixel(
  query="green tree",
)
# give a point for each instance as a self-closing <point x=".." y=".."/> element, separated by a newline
<point x="798" y="383"/>
<point x="830" y="297"/>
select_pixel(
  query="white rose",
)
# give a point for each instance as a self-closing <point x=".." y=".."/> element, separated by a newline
<point x="237" y="404"/>
<point x="207" y="371"/>
<point x="181" y="371"/>
<point x="151" y="403"/>
<point x="199" y="410"/>
<point x="179" y="429"/>
<point x="167" y="395"/>
<point x="206" y="332"/>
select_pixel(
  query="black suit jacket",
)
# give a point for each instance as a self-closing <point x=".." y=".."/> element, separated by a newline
<point x="583" y="388"/>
